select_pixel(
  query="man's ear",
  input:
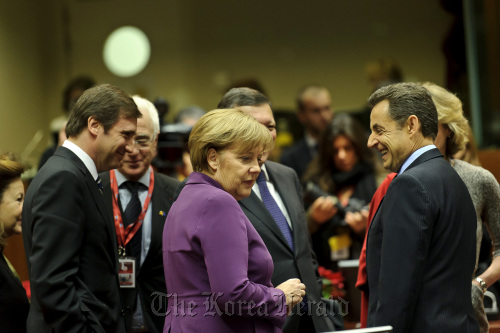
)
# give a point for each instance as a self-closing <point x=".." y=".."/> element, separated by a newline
<point x="213" y="159"/>
<point x="93" y="125"/>
<point x="413" y="125"/>
<point x="154" y="145"/>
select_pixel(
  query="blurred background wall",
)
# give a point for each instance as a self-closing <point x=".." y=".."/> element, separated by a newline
<point x="200" y="47"/>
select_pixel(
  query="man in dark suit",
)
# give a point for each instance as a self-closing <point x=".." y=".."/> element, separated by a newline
<point x="314" y="111"/>
<point x="420" y="251"/>
<point x="291" y="260"/>
<point x="142" y="303"/>
<point x="68" y="235"/>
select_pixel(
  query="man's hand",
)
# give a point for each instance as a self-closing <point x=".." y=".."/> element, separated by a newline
<point x="321" y="210"/>
<point x="357" y="221"/>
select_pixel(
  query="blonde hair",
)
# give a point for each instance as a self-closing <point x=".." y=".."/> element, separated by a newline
<point x="451" y="115"/>
<point x="222" y="128"/>
<point x="469" y="154"/>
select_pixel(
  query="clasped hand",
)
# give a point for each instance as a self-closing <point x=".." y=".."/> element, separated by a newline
<point x="294" y="292"/>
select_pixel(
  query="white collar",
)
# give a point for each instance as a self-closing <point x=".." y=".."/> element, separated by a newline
<point x="264" y="171"/>
<point x="121" y="178"/>
<point x="416" y="154"/>
<point x="83" y="156"/>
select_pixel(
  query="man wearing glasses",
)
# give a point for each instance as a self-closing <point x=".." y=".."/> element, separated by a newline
<point x="140" y="200"/>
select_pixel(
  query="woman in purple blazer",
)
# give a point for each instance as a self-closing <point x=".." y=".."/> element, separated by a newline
<point x="217" y="268"/>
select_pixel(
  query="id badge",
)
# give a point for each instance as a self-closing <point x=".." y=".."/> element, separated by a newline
<point x="126" y="272"/>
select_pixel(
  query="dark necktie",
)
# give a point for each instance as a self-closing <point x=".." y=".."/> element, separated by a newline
<point x="130" y="216"/>
<point x="274" y="210"/>
<point x="99" y="183"/>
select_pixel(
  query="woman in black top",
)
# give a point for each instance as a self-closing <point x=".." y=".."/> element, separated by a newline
<point x="345" y="171"/>
<point x="14" y="304"/>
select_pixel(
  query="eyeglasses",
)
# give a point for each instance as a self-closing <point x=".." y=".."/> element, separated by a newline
<point x="142" y="143"/>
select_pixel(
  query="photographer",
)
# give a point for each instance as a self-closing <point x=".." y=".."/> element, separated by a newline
<point x="339" y="184"/>
<point x="173" y="156"/>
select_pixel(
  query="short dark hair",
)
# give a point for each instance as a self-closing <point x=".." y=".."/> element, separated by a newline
<point x="322" y="169"/>
<point x="106" y="103"/>
<point x="242" y="97"/>
<point x="406" y="99"/>
<point x="79" y="83"/>
<point x="344" y="124"/>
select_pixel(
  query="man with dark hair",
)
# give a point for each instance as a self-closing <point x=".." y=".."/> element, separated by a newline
<point x="421" y="244"/>
<point x="136" y="195"/>
<point x="73" y="90"/>
<point x="243" y="97"/>
<point x="68" y="235"/>
<point x="314" y="111"/>
<point x="289" y="244"/>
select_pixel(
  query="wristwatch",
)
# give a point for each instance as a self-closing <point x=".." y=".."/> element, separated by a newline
<point x="483" y="285"/>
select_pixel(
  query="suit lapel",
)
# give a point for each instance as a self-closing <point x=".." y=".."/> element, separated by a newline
<point x="428" y="155"/>
<point x="108" y="203"/>
<point x="96" y="195"/>
<point x="105" y="213"/>
<point x="284" y="187"/>
<point x="255" y="206"/>
<point x="157" y="205"/>
<point x="375" y="215"/>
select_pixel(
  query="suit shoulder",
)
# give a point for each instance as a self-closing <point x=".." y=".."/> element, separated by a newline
<point x="282" y="173"/>
<point x="58" y="162"/>
<point x="56" y="183"/>
<point x="278" y="167"/>
<point x="433" y="166"/>
<point x="429" y="173"/>
<point x="436" y="177"/>
<point x="59" y="170"/>
<point x="168" y="181"/>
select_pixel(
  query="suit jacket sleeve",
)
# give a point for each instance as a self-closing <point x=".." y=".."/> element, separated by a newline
<point x="408" y="221"/>
<point x="300" y="193"/>
<point x="57" y="234"/>
<point x="225" y="242"/>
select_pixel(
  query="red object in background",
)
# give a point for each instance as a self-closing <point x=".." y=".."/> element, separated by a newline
<point x="333" y="283"/>
<point x="26" y="285"/>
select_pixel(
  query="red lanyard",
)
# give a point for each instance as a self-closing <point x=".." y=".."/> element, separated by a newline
<point x="124" y="235"/>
